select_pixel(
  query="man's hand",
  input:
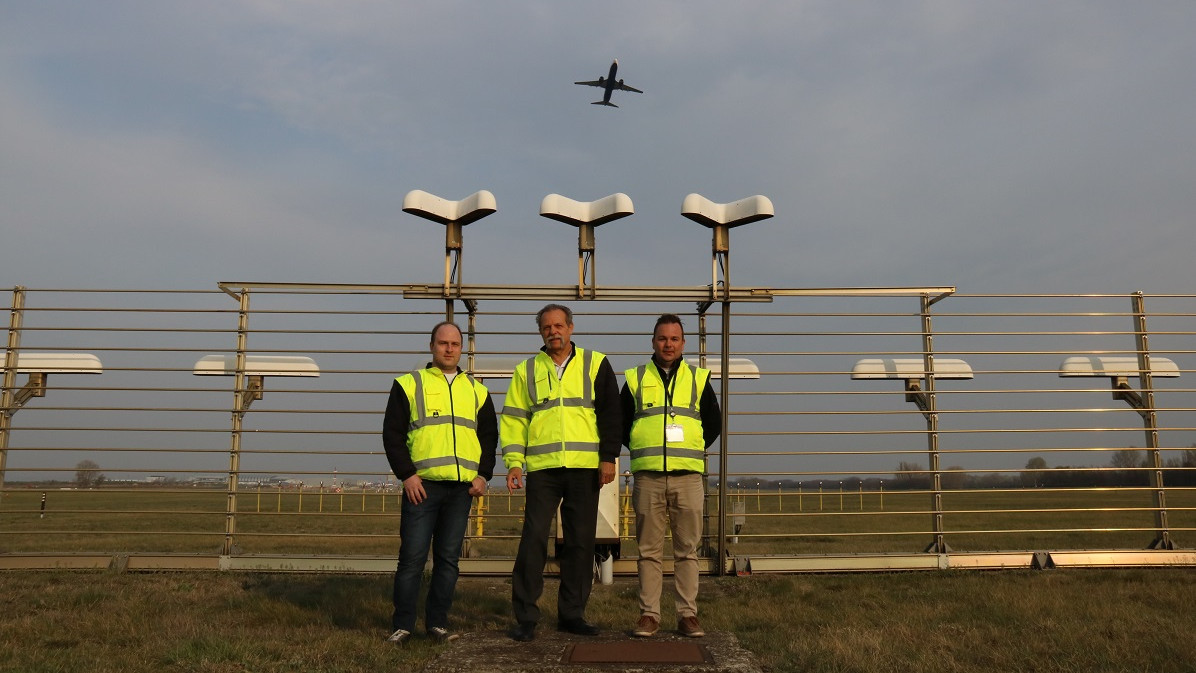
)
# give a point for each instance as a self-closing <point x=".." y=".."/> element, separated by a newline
<point x="477" y="487"/>
<point x="413" y="488"/>
<point x="515" y="479"/>
<point x="606" y="473"/>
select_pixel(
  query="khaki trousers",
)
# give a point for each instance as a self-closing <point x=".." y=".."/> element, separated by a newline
<point x="668" y="502"/>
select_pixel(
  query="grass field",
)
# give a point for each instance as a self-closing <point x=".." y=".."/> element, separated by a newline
<point x="947" y="621"/>
<point x="268" y="521"/>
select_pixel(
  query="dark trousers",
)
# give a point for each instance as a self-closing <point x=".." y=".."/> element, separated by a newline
<point x="438" y="523"/>
<point x="576" y="491"/>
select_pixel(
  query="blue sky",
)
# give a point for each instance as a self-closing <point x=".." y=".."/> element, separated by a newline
<point x="995" y="146"/>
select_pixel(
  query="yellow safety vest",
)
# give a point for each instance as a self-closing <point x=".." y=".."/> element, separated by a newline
<point x="657" y="407"/>
<point x="442" y="434"/>
<point x="548" y="421"/>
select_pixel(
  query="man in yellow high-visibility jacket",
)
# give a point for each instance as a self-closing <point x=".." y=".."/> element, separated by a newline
<point x="561" y="424"/>
<point x="440" y="434"/>
<point x="670" y="417"/>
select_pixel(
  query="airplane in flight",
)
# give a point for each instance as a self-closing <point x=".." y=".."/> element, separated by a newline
<point x="610" y="84"/>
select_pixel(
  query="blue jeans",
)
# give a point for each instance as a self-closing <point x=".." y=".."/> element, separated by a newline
<point x="438" y="523"/>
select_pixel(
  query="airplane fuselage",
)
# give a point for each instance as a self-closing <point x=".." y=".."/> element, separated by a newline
<point x="610" y="81"/>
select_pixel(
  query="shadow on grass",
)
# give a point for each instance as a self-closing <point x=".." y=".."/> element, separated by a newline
<point x="363" y="603"/>
<point x="346" y="602"/>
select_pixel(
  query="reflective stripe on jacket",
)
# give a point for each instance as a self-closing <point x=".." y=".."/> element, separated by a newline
<point x="653" y="412"/>
<point x="442" y="436"/>
<point x="548" y="421"/>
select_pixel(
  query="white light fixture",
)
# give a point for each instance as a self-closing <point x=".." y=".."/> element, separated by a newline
<point x="1115" y="366"/>
<point x="257" y="365"/>
<point x="737" y="368"/>
<point x="495" y="367"/>
<point x="910" y="368"/>
<point x="58" y="363"/>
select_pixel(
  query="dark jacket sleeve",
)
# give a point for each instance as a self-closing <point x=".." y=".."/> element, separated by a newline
<point x="487" y="437"/>
<point x="627" y="403"/>
<point x="610" y="416"/>
<point x="394" y="433"/>
<point x="712" y="416"/>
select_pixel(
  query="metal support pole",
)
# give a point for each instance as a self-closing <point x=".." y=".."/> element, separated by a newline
<point x="930" y="410"/>
<point x="722" y="454"/>
<point x="7" y="394"/>
<point x="242" y="398"/>
<point x="587" y="265"/>
<point x="471" y="332"/>
<point x="1162" y="539"/>
<point x="706" y="549"/>
<point x="721" y="251"/>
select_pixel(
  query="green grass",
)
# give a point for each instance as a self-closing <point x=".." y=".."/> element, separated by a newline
<point x="949" y="621"/>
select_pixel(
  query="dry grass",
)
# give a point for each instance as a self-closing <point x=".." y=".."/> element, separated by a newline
<point x="1058" y="620"/>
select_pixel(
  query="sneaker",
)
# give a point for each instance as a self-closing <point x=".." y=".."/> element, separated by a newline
<point x="689" y="627"/>
<point x="441" y="634"/>
<point x="646" y="627"/>
<point x="399" y="637"/>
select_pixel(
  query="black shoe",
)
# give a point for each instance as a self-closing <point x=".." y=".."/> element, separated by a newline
<point x="578" y="627"/>
<point x="524" y="632"/>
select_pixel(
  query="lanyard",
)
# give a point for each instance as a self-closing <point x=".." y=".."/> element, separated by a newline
<point x="669" y="388"/>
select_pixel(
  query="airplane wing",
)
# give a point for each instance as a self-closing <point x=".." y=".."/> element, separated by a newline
<point x="623" y="87"/>
<point x="596" y="82"/>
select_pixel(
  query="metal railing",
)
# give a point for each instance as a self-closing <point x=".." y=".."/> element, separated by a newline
<point x="823" y="465"/>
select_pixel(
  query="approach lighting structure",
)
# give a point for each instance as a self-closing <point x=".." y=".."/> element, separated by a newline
<point x="250" y="372"/>
<point x="39" y="366"/>
<point x="453" y="215"/>
<point x="256" y="368"/>
<point x="586" y="215"/>
<point x="721" y="218"/>
<point x="912" y="371"/>
<point x="919" y="375"/>
<point x="1119" y="369"/>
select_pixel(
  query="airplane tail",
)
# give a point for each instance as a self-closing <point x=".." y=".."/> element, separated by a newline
<point x="602" y="102"/>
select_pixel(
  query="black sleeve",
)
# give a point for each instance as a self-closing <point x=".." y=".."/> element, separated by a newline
<point x="487" y="437"/>
<point x="394" y="433"/>
<point x="610" y="416"/>
<point x="627" y="402"/>
<point x="712" y="416"/>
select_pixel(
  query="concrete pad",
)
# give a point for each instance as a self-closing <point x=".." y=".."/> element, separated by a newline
<point x="553" y="652"/>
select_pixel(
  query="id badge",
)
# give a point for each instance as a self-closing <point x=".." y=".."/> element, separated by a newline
<point x="674" y="433"/>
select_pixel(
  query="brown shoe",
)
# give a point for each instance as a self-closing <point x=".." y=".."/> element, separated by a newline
<point x="646" y="627"/>
<point x="689" y="627"/>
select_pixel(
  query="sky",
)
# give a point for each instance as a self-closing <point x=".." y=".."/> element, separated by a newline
<point x="994" y="146"/>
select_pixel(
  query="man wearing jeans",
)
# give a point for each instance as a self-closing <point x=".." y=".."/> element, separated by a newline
<point x="440" y="434"/>
<point x="670" y="417"/>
